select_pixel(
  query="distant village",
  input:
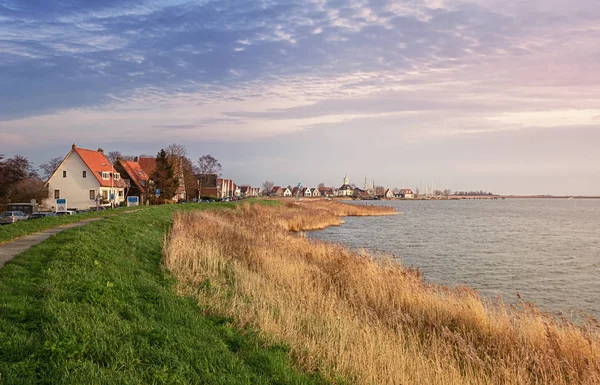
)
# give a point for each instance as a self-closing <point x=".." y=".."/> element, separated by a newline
<point x="87" y="179"/>
<point x="91" y="180"/>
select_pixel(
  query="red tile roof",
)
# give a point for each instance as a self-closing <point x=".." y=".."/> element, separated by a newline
<point x="97" y="162"/>
<point x="136" y="173"/>
<point x="147" y="164"/>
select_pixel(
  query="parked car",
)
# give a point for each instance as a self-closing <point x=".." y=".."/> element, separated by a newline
<point x="68" y="212"/>
<point x="11" y="217"/>
<point x="39" y="215"/>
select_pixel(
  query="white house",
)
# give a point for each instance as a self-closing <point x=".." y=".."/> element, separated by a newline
<point x="346" y="190"/>
<point x="287" y="192"/>
<point x="307" y="192"/>
<point x="406" y="193"/>
<point x="85" y="177"/>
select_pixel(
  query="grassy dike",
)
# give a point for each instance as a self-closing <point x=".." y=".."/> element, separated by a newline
<point x="92" y="305"/>
<point x="22" y="228"/>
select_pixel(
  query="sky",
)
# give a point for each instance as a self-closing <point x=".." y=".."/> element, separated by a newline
<point x="501" y="96"/>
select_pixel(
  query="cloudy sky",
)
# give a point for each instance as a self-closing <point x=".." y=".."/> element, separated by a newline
<point x="476" y="94"/>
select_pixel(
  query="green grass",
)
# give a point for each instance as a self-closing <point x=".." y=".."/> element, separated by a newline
<point x="93" y="306"/>
<point x="21" y="228"/>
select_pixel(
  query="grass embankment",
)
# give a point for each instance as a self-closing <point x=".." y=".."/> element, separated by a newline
<point x="368" y="320"/>
<point x="22" y="228"/>
<point x="93" y="306"/>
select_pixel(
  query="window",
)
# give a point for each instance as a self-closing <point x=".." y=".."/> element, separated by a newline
<point x="56" y="194"/>
<point x="105" y="195"/>
<point x="64" y="174"/>
<point x="84" y="174"/>
<point x="120" y="193"/>
<point x="104" y="175"/>
<point x="92" y="194"/>
<point x="116" y="176"/>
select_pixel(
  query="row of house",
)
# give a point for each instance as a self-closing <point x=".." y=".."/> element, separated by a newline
<point x="346" y="190"/>
<point x="87" y="179"/>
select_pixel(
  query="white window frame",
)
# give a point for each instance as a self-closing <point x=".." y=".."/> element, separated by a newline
<point x="116" y="176"/>
<point x="105" y="175"/>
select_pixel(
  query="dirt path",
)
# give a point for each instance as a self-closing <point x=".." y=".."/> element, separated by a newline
<point x="11" y="249"/>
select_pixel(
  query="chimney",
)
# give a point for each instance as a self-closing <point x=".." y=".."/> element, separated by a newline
<point x="73" y="146"/>
<point x="136" y="159"/>
<point x="100" y="150"/>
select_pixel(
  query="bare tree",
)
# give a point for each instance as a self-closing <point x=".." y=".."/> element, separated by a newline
<point x="113" y="156"/>
<point x="321" y="185"/>
<point x="49" y="167"/>
<point x="30" y="188"/>
<point x="176" y="150"/>
<point x="207" y="164"/>
<point x="267" y="187"/>
<point x="447" y="192"/>
<point x="12" y="171"/>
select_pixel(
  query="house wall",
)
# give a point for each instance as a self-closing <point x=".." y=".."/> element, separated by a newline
<point x="75" y="188"/>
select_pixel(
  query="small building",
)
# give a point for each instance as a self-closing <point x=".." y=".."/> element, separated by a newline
<point x="306" y="192"/>
<point x="277" y="191"/>
<point x="287" y="192"/>
<point x="326" y="191"/>
<point x="361" y="194"/>
<point x="224" y="188"/>
<point x="134" y="177"/>
<point x="207" y="185"/>
<point x="389" y="194"/>
<point x="346" y="190"/>
<point x="405" y="193"/>
<point x="86" y="178"/>
<point x="316" y="193"/>
<point x="148" y="164"/>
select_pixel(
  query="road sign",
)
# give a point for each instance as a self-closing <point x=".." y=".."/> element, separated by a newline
<point x="61" y="205"/>
<point x="157" y="192"/>
<point x="133" y="201"/>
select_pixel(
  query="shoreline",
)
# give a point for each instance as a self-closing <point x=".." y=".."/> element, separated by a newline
<point x="298" y="291"/>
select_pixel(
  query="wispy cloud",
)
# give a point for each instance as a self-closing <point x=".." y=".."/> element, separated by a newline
<point x="237" y="71"/>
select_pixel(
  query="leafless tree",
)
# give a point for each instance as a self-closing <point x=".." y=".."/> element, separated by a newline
<point x="267" y="187"/>
<point x="12" y="171"/>
<point x="49" y="167"/>
<point x="113" y="156"/>
<point x="176" y="150"/>
<point x="30" y="188"/>
<point x="321" y="185"/>
<point x="207" y="164"/>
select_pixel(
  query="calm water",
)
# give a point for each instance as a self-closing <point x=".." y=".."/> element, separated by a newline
<point x="547" y="250"/>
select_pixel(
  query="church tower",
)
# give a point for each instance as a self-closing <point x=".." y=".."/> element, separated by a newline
<point x="346" y="180"/>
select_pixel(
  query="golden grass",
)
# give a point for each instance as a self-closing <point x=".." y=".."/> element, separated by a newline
<point x="365" y="320"/>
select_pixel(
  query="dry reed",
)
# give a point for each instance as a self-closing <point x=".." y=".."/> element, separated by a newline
<point x="367" y="320"/>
